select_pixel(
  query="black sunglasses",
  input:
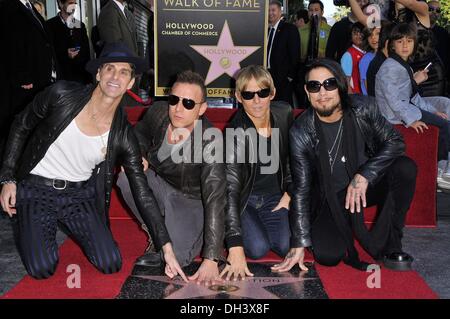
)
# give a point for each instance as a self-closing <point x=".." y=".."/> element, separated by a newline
<point x="437" y="10"/>
<point x="248" y="95"/>
<point x="187" y="103"/>
<point x="314" y="86"/>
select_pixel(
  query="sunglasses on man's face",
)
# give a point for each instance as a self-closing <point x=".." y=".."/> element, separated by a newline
<point x="248" y="95"/>
<point x="437" y="10"/>
<point x="187" y="103"/>
<point x="314" y="86"/>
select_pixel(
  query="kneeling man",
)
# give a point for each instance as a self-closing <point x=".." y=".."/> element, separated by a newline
<point x="346" y="156"/>
<point x="186" y="174"/>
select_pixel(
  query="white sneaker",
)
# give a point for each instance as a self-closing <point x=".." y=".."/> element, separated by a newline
<point x="444" y="184"/>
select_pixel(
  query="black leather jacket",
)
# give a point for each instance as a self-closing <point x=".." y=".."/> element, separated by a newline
<point x="241" y="176"/>
<point x="201" y="178"/>
<point x="383" y="145"/>
<point x="43" y="120"/>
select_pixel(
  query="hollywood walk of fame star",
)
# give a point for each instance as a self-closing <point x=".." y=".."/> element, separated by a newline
<point x="225" y="57"/>
<point x="250" y="288"/>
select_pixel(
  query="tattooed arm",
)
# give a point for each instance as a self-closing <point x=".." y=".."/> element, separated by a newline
<point x="356" y="193"/>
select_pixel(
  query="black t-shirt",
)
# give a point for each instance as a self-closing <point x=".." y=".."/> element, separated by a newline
<point x="333" y="133"/>
<point x="372" y="71"/>
<point x="340" y="174"/>
<point x="266" y="184"/>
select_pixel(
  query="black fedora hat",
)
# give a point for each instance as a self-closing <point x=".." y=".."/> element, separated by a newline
<point x="117" y="52"/>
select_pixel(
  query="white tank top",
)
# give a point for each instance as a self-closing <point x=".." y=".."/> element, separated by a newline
<point x="72" y="156"/>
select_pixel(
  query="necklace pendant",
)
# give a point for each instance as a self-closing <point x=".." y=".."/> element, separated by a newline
<point x="343" y="159"/>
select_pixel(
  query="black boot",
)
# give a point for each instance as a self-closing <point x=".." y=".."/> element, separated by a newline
<point x="150" y="258"/>
<point x="398" y="261"/>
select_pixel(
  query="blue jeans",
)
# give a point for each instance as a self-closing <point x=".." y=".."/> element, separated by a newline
<point x="264" y="230"/>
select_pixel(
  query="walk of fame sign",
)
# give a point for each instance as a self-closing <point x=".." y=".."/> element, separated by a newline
<point x="151" y="283"/>
<point x="214" y="38"/>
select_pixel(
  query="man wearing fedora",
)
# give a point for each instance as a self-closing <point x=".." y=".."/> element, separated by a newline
<point x="59" y="163"/>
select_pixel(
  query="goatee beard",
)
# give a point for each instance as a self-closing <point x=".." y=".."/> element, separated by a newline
<point x="327" y="112"/>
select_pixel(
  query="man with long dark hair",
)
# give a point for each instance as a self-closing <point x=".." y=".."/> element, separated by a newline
<point x="346" y="156"/>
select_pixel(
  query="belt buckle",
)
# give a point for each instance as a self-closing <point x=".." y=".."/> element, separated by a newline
<point x="59" y="188"/>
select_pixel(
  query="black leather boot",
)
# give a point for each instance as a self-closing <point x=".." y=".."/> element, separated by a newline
<point x="150" y="258"/>
<point x="398" y="261"/>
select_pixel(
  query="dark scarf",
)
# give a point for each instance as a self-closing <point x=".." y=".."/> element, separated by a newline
<point x="415" y="87"/>
<point x="372" y="241"/>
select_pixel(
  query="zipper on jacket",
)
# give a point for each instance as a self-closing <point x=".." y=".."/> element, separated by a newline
<point x="253" y="181"/>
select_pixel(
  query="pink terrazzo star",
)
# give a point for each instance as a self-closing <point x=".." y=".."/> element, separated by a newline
<point x="250" y="288"/>
<point x="225" y="57"/>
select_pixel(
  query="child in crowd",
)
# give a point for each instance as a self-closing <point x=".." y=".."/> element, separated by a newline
<point x="398" y="96"/>
<point x="370" y="45"/>
<point x="350" y="59"/>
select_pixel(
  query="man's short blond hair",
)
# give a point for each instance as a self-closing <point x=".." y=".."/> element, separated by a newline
<point x="257" y="72"/>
